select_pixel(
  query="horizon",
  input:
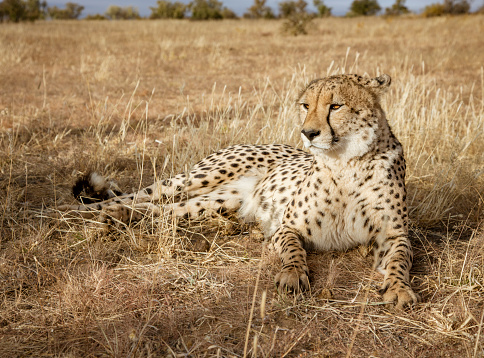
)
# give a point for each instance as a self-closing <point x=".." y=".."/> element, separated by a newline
<point x="338" y="7"/>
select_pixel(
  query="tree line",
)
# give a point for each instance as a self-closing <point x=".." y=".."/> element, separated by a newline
<point x="294" y="11"/>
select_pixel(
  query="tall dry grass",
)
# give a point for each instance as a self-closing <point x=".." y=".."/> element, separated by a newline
<point x="143" y="100"/>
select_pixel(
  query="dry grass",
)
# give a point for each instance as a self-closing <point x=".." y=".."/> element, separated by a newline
<point x="139" y="100"/>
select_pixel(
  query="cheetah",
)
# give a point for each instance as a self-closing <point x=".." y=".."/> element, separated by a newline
<point x="348" y="189"/>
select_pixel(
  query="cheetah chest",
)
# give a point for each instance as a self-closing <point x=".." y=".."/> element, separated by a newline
<point x="338" y="210"/>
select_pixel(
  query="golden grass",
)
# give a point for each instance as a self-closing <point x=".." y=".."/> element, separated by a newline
<point x="140" y="100"/>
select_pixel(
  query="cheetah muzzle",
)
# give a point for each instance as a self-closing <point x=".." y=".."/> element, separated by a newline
<point x="348" y="191"/>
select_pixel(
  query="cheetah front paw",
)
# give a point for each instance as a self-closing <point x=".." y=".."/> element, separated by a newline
<point x="293" y="279"/>
<point x="400" y="293"/>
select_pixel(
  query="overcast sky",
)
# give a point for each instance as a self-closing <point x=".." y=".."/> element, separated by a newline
<point x="339" y="7"/>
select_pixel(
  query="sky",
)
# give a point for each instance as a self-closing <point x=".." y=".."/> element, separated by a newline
<point x="339" y="7"/>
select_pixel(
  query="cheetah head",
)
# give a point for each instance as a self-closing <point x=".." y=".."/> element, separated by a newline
<point x="342" y="114"/>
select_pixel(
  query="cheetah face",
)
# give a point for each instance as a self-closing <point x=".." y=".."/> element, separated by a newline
<point x="341" y="114"/>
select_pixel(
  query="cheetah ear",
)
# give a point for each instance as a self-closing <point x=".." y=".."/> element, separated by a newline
<point x="380" y="84"/>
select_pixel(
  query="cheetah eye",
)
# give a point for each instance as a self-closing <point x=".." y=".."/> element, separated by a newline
<point x="305" y="106"/>
<point x="335" y="106"/>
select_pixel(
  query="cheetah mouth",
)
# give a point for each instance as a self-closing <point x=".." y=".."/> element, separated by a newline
<point x="334" y="146"/>
<point x="319" y="146"/>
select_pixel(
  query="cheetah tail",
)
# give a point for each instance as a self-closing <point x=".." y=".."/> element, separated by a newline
<point x="93" y="187"/>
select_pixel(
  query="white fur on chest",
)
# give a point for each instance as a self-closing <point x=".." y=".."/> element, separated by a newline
<point x="346" y="211"/>
<point x="334" y="210"/>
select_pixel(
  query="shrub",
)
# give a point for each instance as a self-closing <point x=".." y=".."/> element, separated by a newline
<point x="229" y="14"/>
<point x="434" y="10"/>
<point x="449" y="7"/>
<point x="323" y="10"/>
<point x="71" y="12"/>
<point x="259" y="11"/>
<point x="122" y="13"/>
<point x="95" y="17"/>
<point x="297" y="19"/>
<point x="168" y="10"/>
<point x="18" y="10"/>
<point x="364" y="8"/>
<point x="206" y="9"/>
<point x="457" y="7"/>
<point x="397" y="9"/>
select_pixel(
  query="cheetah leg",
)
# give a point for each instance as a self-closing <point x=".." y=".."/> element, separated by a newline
<point x="197" y="183"/>
<point x="394" y="259"/>
<point x="217" y="201"/>
<point x="294" y="272"/>
<point x="121" y="203"/>
<point x="161" y="188"/>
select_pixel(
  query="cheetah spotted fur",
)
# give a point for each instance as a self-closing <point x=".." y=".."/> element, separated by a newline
<point x="348" y="190"/>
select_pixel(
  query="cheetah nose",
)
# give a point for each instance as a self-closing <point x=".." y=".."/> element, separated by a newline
<point x="310" y="133"/>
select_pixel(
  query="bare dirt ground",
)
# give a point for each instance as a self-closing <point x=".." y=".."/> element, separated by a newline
<point x="141" y="100"/>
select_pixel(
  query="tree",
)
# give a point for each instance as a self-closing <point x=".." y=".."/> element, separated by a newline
<point x="13" y="10"/>
<point x="18" y="10"/>
<point x="228" y="14"/>
<point x="35" y="10"/>
<point x="297" y="18"/>
<point x="397" y="9"/>
<point x="364" y="8"/>
<point x="71" y="12"/>
<point x="206" y="9"/>
<point x="289" y="8"/>
<point x="323" y="10"/>
<point x="168" y="10"/>
<point x="457" y="7"/>
<point x="449" y="7"/>
<point x="259" y="11"/>
<point x="433" y="10"/>
<point x="115" y="12"/>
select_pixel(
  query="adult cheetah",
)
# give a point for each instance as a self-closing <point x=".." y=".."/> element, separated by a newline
<point x="349" y="190"/>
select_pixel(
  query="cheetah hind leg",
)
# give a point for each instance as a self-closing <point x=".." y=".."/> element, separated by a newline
<point x="95" y="190"/>
<point x="97" y="195"/>
<point x="220" y="201"/>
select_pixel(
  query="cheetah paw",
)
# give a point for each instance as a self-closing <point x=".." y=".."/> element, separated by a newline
<point x="293" y="279"/>
<point x="401" y="294"/>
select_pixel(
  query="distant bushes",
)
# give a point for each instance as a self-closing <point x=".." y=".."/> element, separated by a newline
<point x="72" y="11"/>
<point x="296" y="18"/>
<point x="294" y="12"/>
<point x="32" y="10"/>
<point x="168" y="10"/>
<point x="397" y="9"/>
<point x="363" y="8"/>
<point x="259" y="10"/>
<point x="206" y="10"/>
<point x="122" y="13"/>
<point x="449" y="7"/>
<point x="18" y="10"/>
<point x="323" y="10"/>
<point x="199" y="10"/>
<point x="95" y="17"/>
